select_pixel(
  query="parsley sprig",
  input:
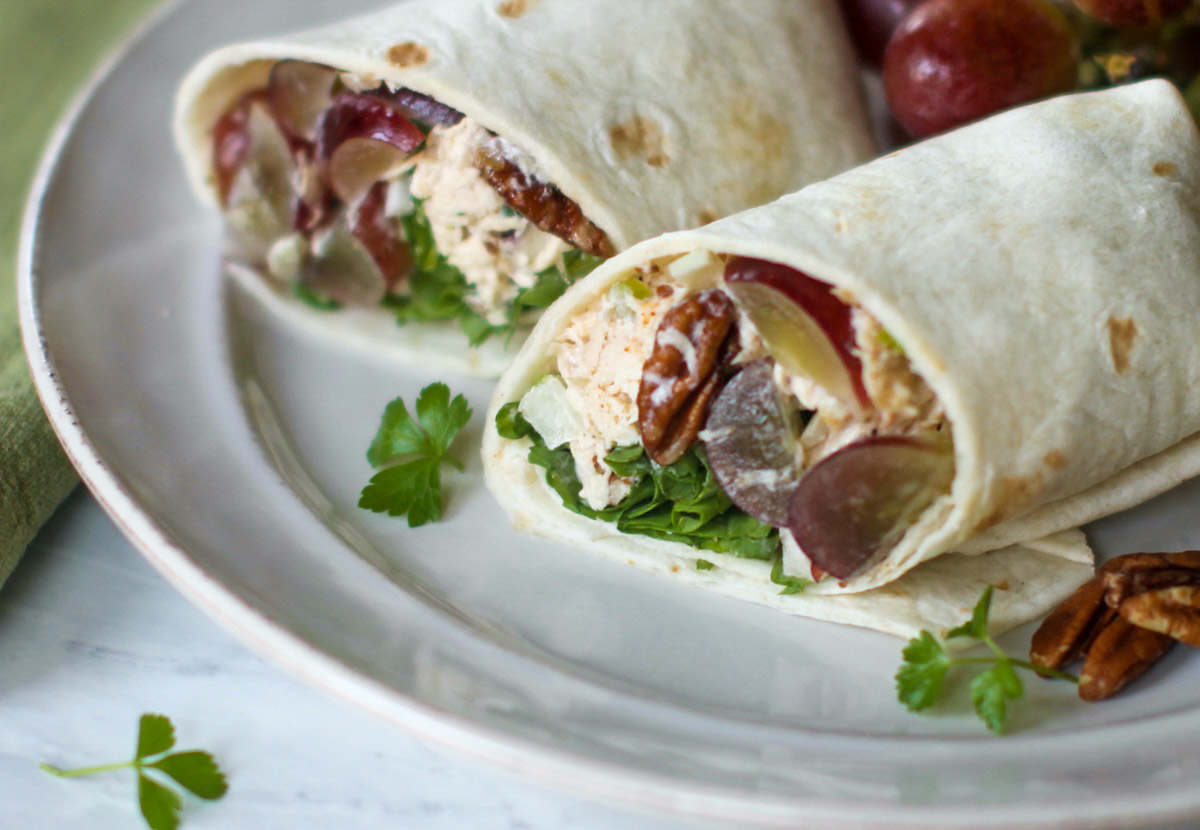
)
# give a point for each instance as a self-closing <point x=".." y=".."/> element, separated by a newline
<point x="193" y="770"/>
<point x="921" y="677"/>
<point x="421" y="445"/>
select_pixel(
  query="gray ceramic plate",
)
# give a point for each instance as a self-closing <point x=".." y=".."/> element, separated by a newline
<point x="231" y="451"/>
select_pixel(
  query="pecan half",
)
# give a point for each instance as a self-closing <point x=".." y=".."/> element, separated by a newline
<point x="1173" y="611"/>
<point x="682" y="374"/>
<point x="1122" y="653"/>
<point x="1128" y="576"/>
<point x="541" y="203"/>
<point x="1068" y="633"/>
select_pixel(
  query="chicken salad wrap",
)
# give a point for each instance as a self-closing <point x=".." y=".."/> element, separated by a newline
<point x="453" y="165"/>
<point x="885" y="390"/>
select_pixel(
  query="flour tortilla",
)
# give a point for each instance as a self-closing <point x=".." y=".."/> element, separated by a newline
<point x="652" y="115"/>
<point x="1041" y="269"/>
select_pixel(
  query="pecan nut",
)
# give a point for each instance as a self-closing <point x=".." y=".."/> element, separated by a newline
<point x="1121" y="653"/>
<point x="682" y="374"/>
<point x="1128" y="576"/>
<point x="1173" y="611"/>
<point x="541" y="203"/>
<point x="1068" y="633"/>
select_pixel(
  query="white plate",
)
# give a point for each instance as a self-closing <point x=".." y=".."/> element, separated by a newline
<point x="231" y="451"/>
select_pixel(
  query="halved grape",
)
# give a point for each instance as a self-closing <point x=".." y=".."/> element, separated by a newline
<point x="1132" y="14"/>
<point x="342" y="269"/>
<point x="379" y="234"/>
<point x="258" y="201"/>
<point x="422" y="108"/>
<point x="954" y="61"/>
<point x="872" y="22"/>
<point x="300" y="94"/>
<point x="751" y="444"/>
<point x="231" y="145"/>
<point x="855" y="506"/>
<point x="807" y="329"/>
<point x="358" y="163"/>
<point x="378" y="134"/>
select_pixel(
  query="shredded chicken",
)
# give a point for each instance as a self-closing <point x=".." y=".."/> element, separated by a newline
<point x="600" y="358"/>
<point x="498" y="251"/>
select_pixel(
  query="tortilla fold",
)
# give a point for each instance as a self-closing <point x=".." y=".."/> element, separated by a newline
<point x="1040" y="270"/>
<point x="651" y="115"/>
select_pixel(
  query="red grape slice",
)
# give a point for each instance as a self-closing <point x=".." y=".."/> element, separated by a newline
<point x="300" y="94"/>
<point x="378" y="234"/>
<point x="751" y="444"/>
<point x="954" y="61"/>
<point x="422" y="108"/>
<point x="812" y="335"/>
<point x="856" y="504"/>
<point x="342" y="269"/>
<point x="872" y="22"/>
<point x="358" y="163"/>
<point x="231" y="145"/>
<point x="380" y="133"/>
<point x="1132" y="14"/>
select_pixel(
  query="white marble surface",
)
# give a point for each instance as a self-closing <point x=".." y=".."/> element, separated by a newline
<point x="91" y="637"/>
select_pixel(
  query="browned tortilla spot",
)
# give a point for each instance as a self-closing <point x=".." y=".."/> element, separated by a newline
<point x="1165" y="168"/>
<point x="640" y="138"/>
<point x="1055" y="460"/>
<point x="1003" y="585"/>
<point x="1011" y="494"/>
<point x="512" y="8"/>
<point x="761" y="139"/>
<point x="707" y="216"/>
<point x="1122" y="335"/>
<point x="407" y="54"/>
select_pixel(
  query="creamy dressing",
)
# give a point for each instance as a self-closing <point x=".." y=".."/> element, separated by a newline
<point x="601" y="356"/>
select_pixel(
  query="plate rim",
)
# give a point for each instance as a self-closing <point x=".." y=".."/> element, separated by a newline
<point x="571" y="773"/>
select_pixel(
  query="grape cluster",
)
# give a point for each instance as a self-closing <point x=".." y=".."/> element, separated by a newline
<point x="949" y="62"/>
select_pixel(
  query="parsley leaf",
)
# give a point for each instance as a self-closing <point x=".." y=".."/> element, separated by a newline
<point x="160" y="805"/>
<point x="919" y="681"/>
<point x="990" y="692"/>
<point x="976" y="627"/>
<point x="413" y="487"/>
<point x="921" y="676"/>
<point x="156" y="735"/>
<point x="193" y="770"/>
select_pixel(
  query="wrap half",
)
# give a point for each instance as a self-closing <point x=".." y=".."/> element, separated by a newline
<point x="460" y="162"/>
<point x="967" y="345"/>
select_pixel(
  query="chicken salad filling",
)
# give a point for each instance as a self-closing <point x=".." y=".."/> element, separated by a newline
<point x="352" y="193"/>
<point x="789" y="409"/>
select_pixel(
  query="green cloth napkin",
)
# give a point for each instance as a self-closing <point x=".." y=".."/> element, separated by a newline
<point x="47" y="49"/>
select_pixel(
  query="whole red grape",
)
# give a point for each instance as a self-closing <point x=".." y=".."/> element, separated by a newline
<point x="872" y="22"/>
<point x="1132" y="14"/>
<point x="953" y="61"/>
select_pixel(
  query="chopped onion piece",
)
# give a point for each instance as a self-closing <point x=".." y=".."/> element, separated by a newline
<point x="548" y="410"/>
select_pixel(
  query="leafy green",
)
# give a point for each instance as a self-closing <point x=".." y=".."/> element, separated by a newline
<point x="416" y="449"/>
<point x="922" y="675"/>
<point x="438" y="291"/>
<point x="678" y="503"/>
<point x="791" y="584"/>
<point x="511" y="424"/>
<point x="704" y="565"/>
<point x="318" y="301"/>
<point x="194" y="770"/>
